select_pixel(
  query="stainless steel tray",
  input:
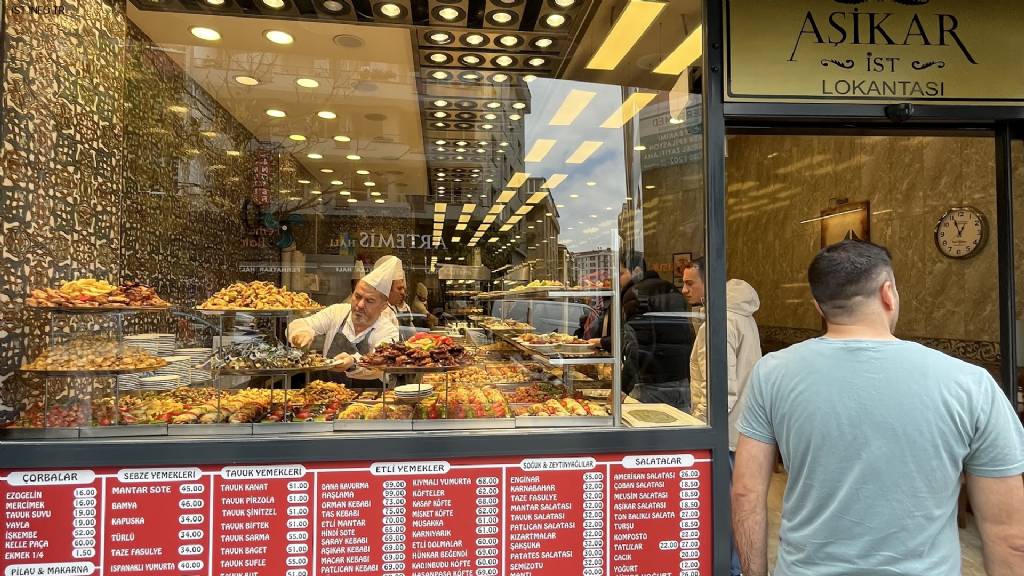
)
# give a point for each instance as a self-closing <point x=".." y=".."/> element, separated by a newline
<point x="126" y="430"/>
<point x="209" y="429"/>
<point x="90" y="373"/>
<point x="291" y="427"/>
<point x="419" y="369"/>
<point x="38" y="433"/>
<point x="373" y="425"/>
<point x="465" y="424"/>
<point x="278" y="312"/>
<point x="562" y="421"/>
<point x="269" y="371"/>
<point x="99" y="309"/>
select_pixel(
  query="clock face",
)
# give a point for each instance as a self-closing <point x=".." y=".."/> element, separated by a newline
<point x="961" y="232"/>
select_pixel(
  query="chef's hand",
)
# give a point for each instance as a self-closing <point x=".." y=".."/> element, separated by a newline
<point x="301" y="338"/>
<point x="595" y="342"/>
<point x="346" y="362"/>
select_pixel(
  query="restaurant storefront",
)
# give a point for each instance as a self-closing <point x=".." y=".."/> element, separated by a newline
<point x="460" y="201"/>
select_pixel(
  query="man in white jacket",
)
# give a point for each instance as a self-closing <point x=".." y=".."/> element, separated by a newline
<point x="741" y="302"/>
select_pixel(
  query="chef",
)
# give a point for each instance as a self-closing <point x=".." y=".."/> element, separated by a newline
<point x="419" y="305"/>
<point x="398" y="309"/>
<point x="354" y="329"/>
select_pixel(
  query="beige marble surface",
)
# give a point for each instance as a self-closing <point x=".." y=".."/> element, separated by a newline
<point x="776" y="182"/>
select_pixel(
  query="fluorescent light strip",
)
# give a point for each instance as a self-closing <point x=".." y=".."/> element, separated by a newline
<point x="506" y="196"/>
<point x="460" y="226"/>
<point x="634" y="20"/>
<point x="519" y="178"/>
<point x="464" y="218"/>
<point x="514" y="219"/>
<point x="490" y="218"/>
<point x="439" y="217"/>
<point x="573" y="105"/>
<point x="483" y="228"/>
<point x="440" y="207"/>
<point x="496" y="209"/>
<point x="554" y="180"/>
<point x="633" y="105"/>
<point x="536" y="197"/>
<point x="688" y="51"/>
<point x="524" y="210"/>
<point x="492" y="240"/>
<point x="468" y="208"/>
<point x="504" y="228"/>
<point x="456" y="239"/>
<point x="585" y="149"/>
<point x="539" y="150"/>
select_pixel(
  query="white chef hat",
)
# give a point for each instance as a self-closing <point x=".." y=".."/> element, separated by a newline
<point x="386" y="271"/>
<point x="358" y="270"/>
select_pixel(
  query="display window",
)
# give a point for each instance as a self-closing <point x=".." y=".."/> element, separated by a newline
<point x="259" y="218"/>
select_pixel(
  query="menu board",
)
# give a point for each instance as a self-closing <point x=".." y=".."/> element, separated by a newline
<point x="605" y="515"/>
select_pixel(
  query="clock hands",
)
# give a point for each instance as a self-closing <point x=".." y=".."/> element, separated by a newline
<point x="959" y="229"/>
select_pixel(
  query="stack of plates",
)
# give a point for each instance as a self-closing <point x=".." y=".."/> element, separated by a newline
<point x="413" y="392"/>
<point x="197" y="357"/>
<point x="161" y="382"/>
<point x="156" y="344"/>
<point x="128" y="382"/>
<point x="179" y="366"/>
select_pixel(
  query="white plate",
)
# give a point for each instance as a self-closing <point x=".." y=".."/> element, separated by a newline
<point x="413" y="389"/>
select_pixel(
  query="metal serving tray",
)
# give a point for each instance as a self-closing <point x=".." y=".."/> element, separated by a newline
<point x="465" y="424"/>
<point x="126" y="430"/>
<point x="226" y="429"/>
<point x="38" y="433"/>
<point x="291" y="427"/>
<point x="562" y="421"/>
<point x="373" y="425"/>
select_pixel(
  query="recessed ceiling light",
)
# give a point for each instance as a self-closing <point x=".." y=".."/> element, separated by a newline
<point x="302" y="181"/>
<point x="519" y="105"/>
<point x="470" y="59"/>
<point x="215" y="2"/>
<point x="480" y="151"/>
<point x="439" y="124"/>
<point x="515" y="117"/>
<point x="314" y="156"/>
<point x="333" y="6"/>
<point x="439" y="149"/>
<point x="440" y="142"/>
<point x="439" y="58"/>
<point x="536" y="62"/>
<point x="247" y="80"/>
<point x="459" y="158"/>
<point x="307" y="83"/>
<point x="504" y="60"/>
<point x="639" y="147"/>
<point x="490" y="116"/>
<point x="489" y="180"/>
<point x="354" y="157"/>
<point x="448" y="13"/>
<point x="487" y="126"/>
<point x="676" y="120"/>
<point x="362" y="172"/>
<point x="315" y="192"/>
<point x="469" y="76"/>
<point x="440" y="75"/>
<point x="233" y="153"/>
<point x="345" y="193"/>
<point x="503" y="144"/>
<point x="342" y="139"/>
<point x="204" y="33"/>
<point x="352" y="200"/>
<point x="375" y="193"/>
<point x="554" y="20"/>
<point x="591" y="183"/>
<point x="509" y="40"/>
<point x="440" y="103"/>
<point x="327" y="171"/>
<point x="501" y="17"/>
<point x="649" y="187"/>
<point x="337" y="183"/>
<point x="493" y="105"/>
<point x="278" y="37"/>
<point x="391" y="10"/>
<point x="543" y="42"/>
<point x="379" y="201"/>
<point x="440" y="37"/>
<point x="274" y="113"/>
<point x="474" y="39"/>
<point x="297" y="137"/>
<point x="327" y="115"/>
<point x="440" y="114"/>
<point x="574" y="195"/>
<point x="275" y="4"/>
<point x="499" y="77"/>
<point x="529" y="78"/>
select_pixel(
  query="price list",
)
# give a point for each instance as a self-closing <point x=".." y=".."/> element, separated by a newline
<point x="155" y="521"/>
<point x="621" y="514"/>
<point x="263" y="521"/>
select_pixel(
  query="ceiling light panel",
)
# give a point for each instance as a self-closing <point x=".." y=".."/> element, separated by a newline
<point x="392" y="11"/>
<point x="537" y="197"/>
<point x="517" y="180"/>
<point x="502" y="14"/>
<point x="539" y="150"/>
<point x="506" y="196"/>
<point x="584" y="151"/>
<point x="553" y="181"/>
<point x="688" y="52"/>
<point x="334" y="9"/>
<point x="276" y="7"/>
<point x="448" y="14"/>
<point x="632" y="23"/>
<point x="630" y="108"/>
<point x="523" y="211"/>
<point x="573" y="105"/>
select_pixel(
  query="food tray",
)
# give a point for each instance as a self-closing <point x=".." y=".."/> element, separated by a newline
<point x="256" y="311"/>
<point x="374" y="425"/>
<point x="291" y="427"/>
<point x="225" y="429"/>
<point x="91" y="373"/>
<point x="562" y="421"/>
<point x="98" y="309"/>
<point x="419" y="369"/>
<point x="120" y="431"/>
<point x="272" y="371"/>
<point x="38" y="433"/>
<point x="465" y="424"/>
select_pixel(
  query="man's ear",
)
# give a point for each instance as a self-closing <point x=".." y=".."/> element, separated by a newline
<point x="888" y="294"/>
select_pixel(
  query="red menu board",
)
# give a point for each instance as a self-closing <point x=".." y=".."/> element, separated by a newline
<point x="606" y="515"/>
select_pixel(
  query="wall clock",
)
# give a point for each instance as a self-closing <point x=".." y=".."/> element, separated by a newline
<point x="961" y="232"/>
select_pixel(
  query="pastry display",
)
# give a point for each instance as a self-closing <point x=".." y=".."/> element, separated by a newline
<point x="323" y="392"/>
<point x="423" y="350"/>
<point x="260" y="355"/>
<point x="538" y="285"/>
<point x="258" y="296"/>
<point x="100" y="294"/>
<point x="480" y="375"/>
<point x="549" y="339"/>
<point x="94" y="355"/>
<point x="504" y="325"/>
<point x="464" y="402"/>
<point x="380" y="411"/>
<point x="537" y="392"/>
<point x="563" y="407"/>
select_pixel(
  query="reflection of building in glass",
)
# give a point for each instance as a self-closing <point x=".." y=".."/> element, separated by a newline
<point x="593" y="265"/>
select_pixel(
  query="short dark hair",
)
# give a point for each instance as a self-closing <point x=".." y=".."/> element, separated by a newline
<point x="630" y="259"/>
<point x="845" y="271"/>
<point x="698" y="264"/>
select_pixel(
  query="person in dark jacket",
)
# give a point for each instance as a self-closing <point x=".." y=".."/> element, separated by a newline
<point x="654" y="321"/>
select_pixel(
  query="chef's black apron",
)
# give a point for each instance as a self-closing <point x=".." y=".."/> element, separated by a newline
<point x="340" y="343"/>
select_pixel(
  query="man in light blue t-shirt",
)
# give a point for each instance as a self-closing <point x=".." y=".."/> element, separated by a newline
<point x="875" y="433"/>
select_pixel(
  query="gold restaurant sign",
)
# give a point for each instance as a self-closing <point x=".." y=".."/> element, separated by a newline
<point x="926" y="51"/>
